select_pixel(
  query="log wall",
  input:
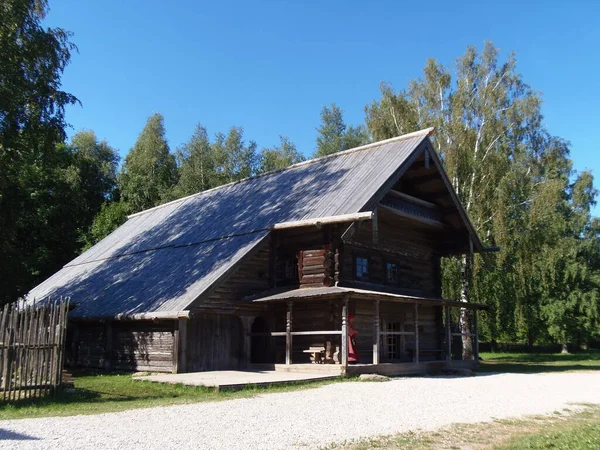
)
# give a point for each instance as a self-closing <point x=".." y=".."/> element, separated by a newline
<point x="135" y="346"/>
<point x="411" y="249"/>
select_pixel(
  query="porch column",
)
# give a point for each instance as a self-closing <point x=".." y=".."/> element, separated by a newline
<point x="344" y="360"/>
<point x="448" y="335"/>
<point x="417" y="333"/>
<point x="476" y="333"/>
<point x="376" y="334"/>
<point x="288" y="335"/>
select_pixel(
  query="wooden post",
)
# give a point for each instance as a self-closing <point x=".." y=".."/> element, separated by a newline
<point x="417" y="333"/>
<point x="344" y="360"/>
<point x="247" y="322"/>
<point x="376" y="334"/>
<point x="375" y="223"/>
<point x="448" y="335"/>
<point x="182" y="346"/>
<point x="476" y="333"/>
<point x="107" y="344"/>
<point x="288" y="334"/>
<point x="175" y="355"/>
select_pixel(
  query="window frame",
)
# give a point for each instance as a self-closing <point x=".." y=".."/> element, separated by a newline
<point x="386" y="279"/>
<point x="356" y="258"/>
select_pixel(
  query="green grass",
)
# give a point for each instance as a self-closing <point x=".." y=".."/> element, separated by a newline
<point x="539" y="362"/>
<point x="562" y="431"/>
<point x="578" y="432"/>
<point x="100" y="392"/>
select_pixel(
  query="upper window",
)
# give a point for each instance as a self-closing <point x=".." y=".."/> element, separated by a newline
<point x="391" y="274"/>
<point x="362" y="268"/>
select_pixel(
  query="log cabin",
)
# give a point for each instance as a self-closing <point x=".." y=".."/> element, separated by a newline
<point x="332" y="264"/>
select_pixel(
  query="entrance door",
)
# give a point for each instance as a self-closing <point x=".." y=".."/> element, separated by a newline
<point x="260" y="343"/>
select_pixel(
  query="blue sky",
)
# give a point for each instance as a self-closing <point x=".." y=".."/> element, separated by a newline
<point x="270" y="66"/>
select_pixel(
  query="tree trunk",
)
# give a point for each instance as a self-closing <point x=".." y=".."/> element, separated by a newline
<point x="465" y="318"/>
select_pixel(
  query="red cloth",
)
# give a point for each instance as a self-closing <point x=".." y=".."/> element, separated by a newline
<point x="352" y="350"/>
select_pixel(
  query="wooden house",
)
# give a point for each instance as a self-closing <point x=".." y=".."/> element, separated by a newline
<point x="277" y="270"/>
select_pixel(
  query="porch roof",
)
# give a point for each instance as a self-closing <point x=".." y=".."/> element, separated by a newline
<point x="340" y="291"/>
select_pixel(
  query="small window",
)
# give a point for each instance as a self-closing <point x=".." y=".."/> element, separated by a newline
<point x="391" y="274"/>
<point x="362" y="268"/>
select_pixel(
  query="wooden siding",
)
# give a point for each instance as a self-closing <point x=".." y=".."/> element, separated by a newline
<point x="143" y="346"/>
<point x="410" y="248"/>
<point x="252" y="277"/>
<point x="131" y="346"/>
<point x="215" y="342"/>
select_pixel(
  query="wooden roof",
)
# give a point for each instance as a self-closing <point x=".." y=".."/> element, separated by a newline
<point x="163" y="259"/>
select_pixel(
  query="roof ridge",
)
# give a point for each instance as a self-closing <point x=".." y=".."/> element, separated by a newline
<point x="424" y="132"/>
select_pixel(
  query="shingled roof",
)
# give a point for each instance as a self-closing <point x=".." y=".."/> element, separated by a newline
<point x="164" y="258"/>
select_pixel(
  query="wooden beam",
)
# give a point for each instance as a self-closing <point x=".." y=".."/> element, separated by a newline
<point x="376" y="333"/>
<point x="344" y="360"/>
<point x="108" y="335"/>
<point x="182" y="346"/>
<point x="415" y="200"/>
<point x="417" y="333"/>
<point x="375" y="227"/>
<point x="288" y="334"/>
<point x="424" y="178"/>
<point x="175" y="355"/>
<point x="406" y="215"/>
<point x="368" y="215"/>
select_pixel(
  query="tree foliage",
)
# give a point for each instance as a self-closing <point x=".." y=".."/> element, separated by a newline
<point x="280" y="156"/>
<point x="333" y="134"/>
<point x="517" y="184"/>
<point x="150" y="171"/>
<point x="34" y="173"/>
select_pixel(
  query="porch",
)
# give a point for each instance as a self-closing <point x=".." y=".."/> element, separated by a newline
<point x="351" y="331"/>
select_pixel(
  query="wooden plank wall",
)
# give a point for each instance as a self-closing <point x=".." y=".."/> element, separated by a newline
<point x="411" y="249"/>
<point x="215" y="342"/>
<point x="252" y="277"/>
<point x="90" y="347"/>
<point x="142" y="345"/>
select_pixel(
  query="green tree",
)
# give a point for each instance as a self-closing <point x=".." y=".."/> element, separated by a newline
<point x="96" y="172"/>
<point x="333" y="134"/>
<point x="197" y="166"/>
<point x="150" y="171"/>
<point x="32" y="107"/>
<point x="111" y="216"/>
<point x="280" y="156"/>
<point x="234" y="159"/>
<point x="510" y="174"/>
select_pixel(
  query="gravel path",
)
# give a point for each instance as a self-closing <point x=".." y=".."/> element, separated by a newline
<point x="310" y="419"/>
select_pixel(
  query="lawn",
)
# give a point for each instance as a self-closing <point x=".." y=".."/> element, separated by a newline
<point x="539" y="362"/>
<point x="565" y="430"/>
<point x="100" y="392"/>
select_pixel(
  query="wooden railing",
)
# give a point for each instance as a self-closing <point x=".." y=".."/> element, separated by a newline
<point x="32" y="349"/>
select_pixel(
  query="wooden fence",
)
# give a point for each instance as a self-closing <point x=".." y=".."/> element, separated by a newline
<point x="32" y="349"/>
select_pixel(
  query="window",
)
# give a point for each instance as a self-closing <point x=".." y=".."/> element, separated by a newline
<point x="391" y="274"/>
<point x="362" y="268"/>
